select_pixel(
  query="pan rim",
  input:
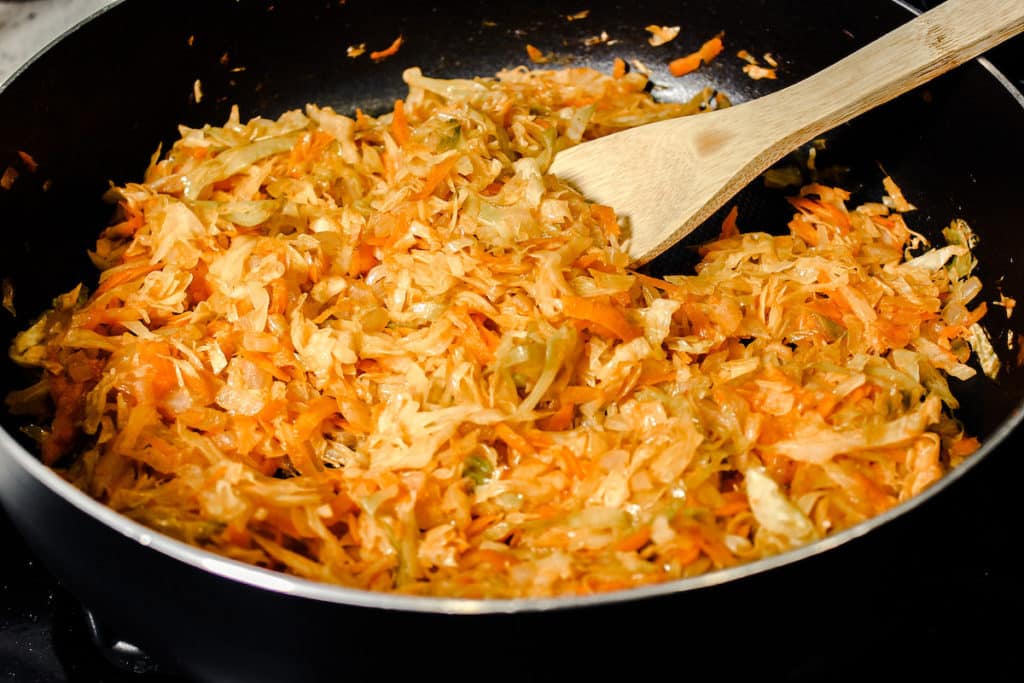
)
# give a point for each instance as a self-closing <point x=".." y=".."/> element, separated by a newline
<point x="59" y="38"/>
<point x="278" y="582"/>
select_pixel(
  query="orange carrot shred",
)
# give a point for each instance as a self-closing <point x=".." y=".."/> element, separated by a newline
<point x="711" y="49"/>
<point x="717" y="551"/>
<point x="363" y="259"/>
<point x="605" y="315"/>
<point x="560" y="420"/>
<point x="513" y="439"/>
<point x="684" y="65"/>
<point x="263" y="362"/>
<point x="535" y="55"/>
<point x="731" y="508"/>
<point x="657" y="283"/>
<point x="29" y="162"/>
<point x="580" y="394"/>
<point x="691" y="62"/>
<point x="379" y="55"/>
<point x="605" y="215"/>
<point x="400" y="124"/>
<point x="313" y="416"/>
<point x="127" y="275"/>
<point x="436" y="176"/>
<point x="804" y="230"/>
<point x="636" y="540"/>
<point x="362" y="120"/>
<point x="964" y="446"/>
<point x="496" y="559"/>
<point x="618" y="68"/>
<point x="729" y="227"/>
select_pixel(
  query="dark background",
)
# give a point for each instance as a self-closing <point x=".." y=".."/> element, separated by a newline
<point x="954" y="609"/>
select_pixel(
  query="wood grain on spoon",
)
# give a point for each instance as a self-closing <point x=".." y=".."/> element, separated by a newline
<point x="665" y="178"/>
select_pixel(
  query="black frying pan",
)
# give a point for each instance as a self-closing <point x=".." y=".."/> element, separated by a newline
<point x="92" y="110"/>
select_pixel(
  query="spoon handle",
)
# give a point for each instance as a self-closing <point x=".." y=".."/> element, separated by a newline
<point x="667" y="177"/>
<point x="935" y="42"/>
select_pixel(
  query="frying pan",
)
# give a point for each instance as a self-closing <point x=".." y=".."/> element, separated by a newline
<point x="92" y="109"/>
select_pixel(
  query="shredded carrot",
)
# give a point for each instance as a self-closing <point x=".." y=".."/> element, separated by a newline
<point x="400" y="124"/>
<point x="636" y="540"/>
<point x="392" y="49"/>
<point x="691" y="62"/>
<point x="581" y="394"/>
<point x="535" y="55"/>
<point x="513" y="439"/>
<point x="729" y="228"/>
<point x="266" y="364"/>
<point x="977" y="314"/>
<point x="124" y="275"/>
<point x="684" y="65"/>
<point x="481" y="524"/>
<point x="605" y="315"/>
<point x="7" y="179"/>
<point x="362" y="120"/>
<point x="687" y="554"/>
<point x="29" y="162"/>
<point x="805" y="230"/>
<point x="606" y="217"/>
<point x="538" y="439"/>
<point x="731" y="508"/>
<point x="573" y="465"/>
<point x="826" y="405"/>
<point x="363" y="259"/>
<point x="153" y="356"/>
<point x="481" y="347"/>
<point x="618" y="68"/>
<point x="711" y="49"/>
<point x="491" y="339"/>
<point x="561" y="419"/>
<point x="388" y="163"/>
<point x="823" y="211"/>
<point x="715" y="549"/>
<point x="127" y="227"/>
<point x="655" y="282"/>
<point x="655" y="373"/>
<point x="436" y="176"/>
<point x="857" y="394"/>
<point x="964" y="446"/>
<point x="570" y="397"/>
<point x="594" y="262"/>
<point x="313" y="416"/>
<point x="496" y="559"/>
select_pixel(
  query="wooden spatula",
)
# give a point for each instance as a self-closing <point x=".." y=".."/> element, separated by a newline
<point x="665" y="178"/>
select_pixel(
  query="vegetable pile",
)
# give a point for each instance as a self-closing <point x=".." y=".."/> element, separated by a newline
<point x="394" y="353"/>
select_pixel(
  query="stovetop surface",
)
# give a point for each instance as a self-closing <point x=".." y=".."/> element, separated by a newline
<point x="960" y="614"/>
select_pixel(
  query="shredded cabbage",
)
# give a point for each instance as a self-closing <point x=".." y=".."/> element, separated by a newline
<point x="394" y="353"/>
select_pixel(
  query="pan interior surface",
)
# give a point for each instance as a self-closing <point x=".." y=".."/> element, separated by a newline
<point x="94" y="107"/>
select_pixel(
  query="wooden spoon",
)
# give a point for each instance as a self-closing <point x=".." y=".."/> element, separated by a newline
<point x="665" y="178"/>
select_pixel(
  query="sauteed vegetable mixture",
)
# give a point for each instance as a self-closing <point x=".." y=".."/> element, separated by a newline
<point x="393" y="353"/>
